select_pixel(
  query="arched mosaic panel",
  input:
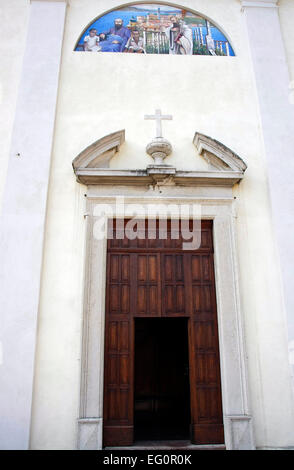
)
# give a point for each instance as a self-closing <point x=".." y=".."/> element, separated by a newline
<point x="154" y="29"/>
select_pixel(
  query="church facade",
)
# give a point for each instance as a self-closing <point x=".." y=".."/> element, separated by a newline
<point x="147" y="224"/>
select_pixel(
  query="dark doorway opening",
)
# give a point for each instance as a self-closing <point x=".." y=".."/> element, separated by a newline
<point x="161" y="389"/>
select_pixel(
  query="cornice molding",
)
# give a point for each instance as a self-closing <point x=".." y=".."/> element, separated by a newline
<point x="259" y="3"/>
<point x="50" y="1"/>
<point x="99" y="176"/>
<point x="91" y="166"/>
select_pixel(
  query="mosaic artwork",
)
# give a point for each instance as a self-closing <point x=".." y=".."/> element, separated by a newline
<point x="154" y="29"/>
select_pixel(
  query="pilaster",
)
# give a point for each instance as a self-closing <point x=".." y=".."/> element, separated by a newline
<point x="23" y="217"/>
<point x="277" y="119"/>
<point x="277" y="125"/>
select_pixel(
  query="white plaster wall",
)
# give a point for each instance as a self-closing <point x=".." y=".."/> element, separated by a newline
<point x="13" y="20"/>
<point x="99" y="94"/>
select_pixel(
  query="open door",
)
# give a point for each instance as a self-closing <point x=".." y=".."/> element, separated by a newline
<point x="156" y="292"/>
<point x="161" y="382"/>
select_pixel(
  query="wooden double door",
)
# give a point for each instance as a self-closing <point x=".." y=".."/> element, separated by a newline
<point x="162" y="373"/>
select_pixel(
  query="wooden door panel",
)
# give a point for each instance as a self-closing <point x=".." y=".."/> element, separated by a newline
<point x="147" y="290"/>
<point x="209" y="409"/>
<point x="204" y="334"/>
<point x="206" y="405"/>
<point x="173" y="285"/>
<point x="204" y="434"/>
<point x="118" y="376"/>
<point x="206" y="372"/>
<point x="118" y="407"/>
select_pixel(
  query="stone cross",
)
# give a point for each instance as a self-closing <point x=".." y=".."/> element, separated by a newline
<point x="158" y="117"/>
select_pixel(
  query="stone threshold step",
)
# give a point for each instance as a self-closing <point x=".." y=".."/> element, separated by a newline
<point x="167" y="445"/>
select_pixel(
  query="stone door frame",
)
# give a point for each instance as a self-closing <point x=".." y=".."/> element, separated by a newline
<point x="217" y="204"/>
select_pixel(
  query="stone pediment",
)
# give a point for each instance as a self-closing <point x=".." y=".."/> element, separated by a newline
<point x="91" y="166"/>
<point x="218" y="156"/>
<point x="99" y="154"/>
